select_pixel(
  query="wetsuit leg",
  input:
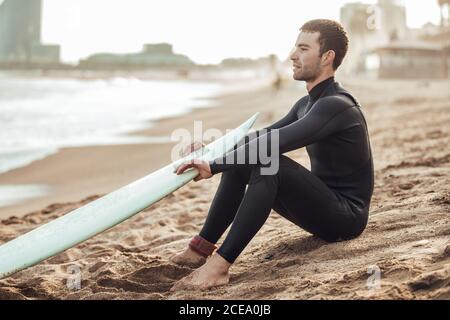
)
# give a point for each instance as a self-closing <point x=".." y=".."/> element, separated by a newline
<point x="314" y="206"/>
<point x="226" y="202"/>
<point x="295" y="193"/>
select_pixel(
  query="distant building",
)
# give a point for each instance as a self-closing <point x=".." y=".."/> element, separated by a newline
<point x="369" y="26"/>
<point x="392" y="19"/>
<point x="152" y="55"/>
<point x="158" y="48"/>
<point x="360" y="20"/>
<point x="378" y="33"/>
<point x="441" y="38"/>
<point x="422" y="53"/>
<point x="414" y="60"/>
<point x="248" y="62"/>
<point x="20" y="34"/>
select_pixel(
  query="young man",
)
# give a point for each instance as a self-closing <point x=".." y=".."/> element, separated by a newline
<point x="331" y="201"/>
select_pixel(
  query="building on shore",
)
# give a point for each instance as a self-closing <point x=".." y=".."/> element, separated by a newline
<point x="413" y="60"/>
<point x="20" y="35"/>
<point x="425" y="54"/>
<point x="152" y="55"/>
<point x="381" y="44"/>
<point x="369" y="26"/>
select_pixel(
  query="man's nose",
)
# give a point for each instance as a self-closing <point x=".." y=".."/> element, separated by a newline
<point x="292" y="55"/>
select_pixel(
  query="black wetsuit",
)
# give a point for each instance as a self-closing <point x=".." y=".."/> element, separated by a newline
<point x="331" y="201"/>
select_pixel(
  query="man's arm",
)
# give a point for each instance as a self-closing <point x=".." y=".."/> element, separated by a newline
<point x="325" y="117"/>
<point x="290" y="117"/>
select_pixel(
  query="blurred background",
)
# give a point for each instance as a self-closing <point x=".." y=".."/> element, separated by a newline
<point x="86" y="74"/>
<point x="202" y="35"/>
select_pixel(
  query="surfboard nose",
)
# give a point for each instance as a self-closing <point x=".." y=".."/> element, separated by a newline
<point x="251" y="121"/>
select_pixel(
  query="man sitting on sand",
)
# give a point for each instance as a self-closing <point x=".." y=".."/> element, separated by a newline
<point x="331" y="201"/>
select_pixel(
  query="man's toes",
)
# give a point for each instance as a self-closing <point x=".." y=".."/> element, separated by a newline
<point x="215" y="284"/>
<point x="181" y="284"/>
<point x="177" y="286"/>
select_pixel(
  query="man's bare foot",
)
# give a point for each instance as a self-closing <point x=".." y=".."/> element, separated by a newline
<point x="189" y="258"/>
<point x="213" y="273"/>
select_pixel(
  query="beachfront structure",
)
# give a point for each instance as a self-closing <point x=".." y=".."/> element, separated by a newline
<point x="370" y="26"/>
<point x="270" y="60"/>
<point x="425" y="53"/>
<point x="440" y="38"/>
<point x="158" y="48"/>
<point x="414" y="60"/>
<point x="381" y="43"/>
<point x="392" y="19"/>
<point x="152" y="55"/>
<point x="360" y="20"/>
<point x="20" y="34"/>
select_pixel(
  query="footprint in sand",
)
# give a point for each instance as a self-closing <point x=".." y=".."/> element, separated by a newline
<point x="97" y="266"/>
<point x="11" y="294"/>
<point x="189" y="194"/>
<point x="155" y="279"/>
<point x="431" y="281"/>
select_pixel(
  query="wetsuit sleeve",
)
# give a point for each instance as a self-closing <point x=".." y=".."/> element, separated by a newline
<point x="290" y="117"/>
<point x="325" y="117"/>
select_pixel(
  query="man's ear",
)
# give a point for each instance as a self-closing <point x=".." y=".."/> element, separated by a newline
<point x="328" y="57"/>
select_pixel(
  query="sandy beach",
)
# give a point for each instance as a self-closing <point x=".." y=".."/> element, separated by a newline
<point x="407" y="238"/>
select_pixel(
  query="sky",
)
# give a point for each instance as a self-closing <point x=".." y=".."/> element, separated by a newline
<point x="205" y="30"/>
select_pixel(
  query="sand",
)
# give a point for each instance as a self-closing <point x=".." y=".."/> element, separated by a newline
<point x="407" y="238"/>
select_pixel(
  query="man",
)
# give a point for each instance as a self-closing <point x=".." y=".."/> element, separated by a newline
<point x="331" y="201"/>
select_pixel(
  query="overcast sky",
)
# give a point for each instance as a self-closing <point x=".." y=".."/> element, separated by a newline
<point x="205" y="30"/>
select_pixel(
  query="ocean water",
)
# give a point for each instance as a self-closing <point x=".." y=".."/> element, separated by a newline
<point x="14" y="194"/>
<point x="40" y="115"/>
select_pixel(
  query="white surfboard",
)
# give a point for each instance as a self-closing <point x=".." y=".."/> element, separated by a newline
<point x="99" y="215"/>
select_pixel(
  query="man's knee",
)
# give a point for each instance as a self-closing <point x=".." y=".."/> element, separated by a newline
<point x="274" y="165"/>
<point x="271" y="168"/>
<point x="258" y="174"/>
<point x="241" y="174"/>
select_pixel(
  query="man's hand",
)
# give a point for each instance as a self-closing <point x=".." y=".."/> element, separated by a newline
<point x="202" y="167"/>
<point x="191" y="148"/>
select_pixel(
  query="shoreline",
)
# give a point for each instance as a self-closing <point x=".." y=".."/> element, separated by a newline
<point x="74" y="173"/>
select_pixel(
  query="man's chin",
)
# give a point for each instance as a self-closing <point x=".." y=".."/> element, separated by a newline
<point x="302" y="77"/>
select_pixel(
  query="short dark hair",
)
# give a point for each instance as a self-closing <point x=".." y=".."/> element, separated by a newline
<point x="332" y="37"/>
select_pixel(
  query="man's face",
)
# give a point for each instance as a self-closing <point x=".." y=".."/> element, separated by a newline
<point x="306" y="59"/>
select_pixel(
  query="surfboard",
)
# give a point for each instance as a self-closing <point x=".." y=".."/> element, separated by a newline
<point x="97" y="216"/>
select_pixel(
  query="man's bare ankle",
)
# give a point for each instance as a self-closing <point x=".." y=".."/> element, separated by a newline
<point x="219" y="263"/>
